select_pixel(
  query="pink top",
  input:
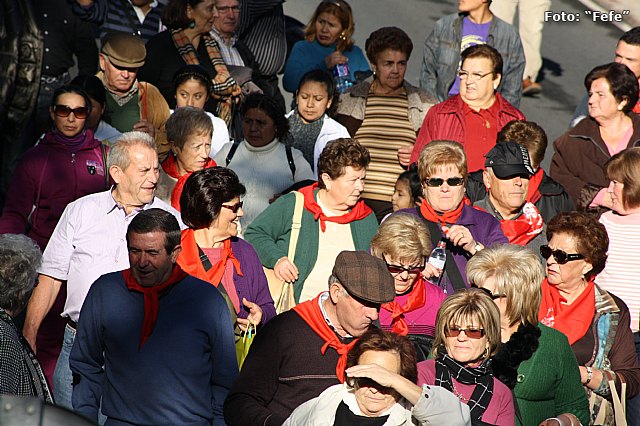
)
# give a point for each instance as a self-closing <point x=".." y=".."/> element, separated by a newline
<point x="422" y="320"/>
<point x="500" y="410"/>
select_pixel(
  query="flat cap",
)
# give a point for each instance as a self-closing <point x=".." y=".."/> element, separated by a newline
<point x="364" y="276"/>
<point x="508" y="159"/>
<point x="125" y="50"/>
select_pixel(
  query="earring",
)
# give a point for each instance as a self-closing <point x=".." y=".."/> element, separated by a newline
<point x="342" y="37"/>
<point x="192" y="24"/>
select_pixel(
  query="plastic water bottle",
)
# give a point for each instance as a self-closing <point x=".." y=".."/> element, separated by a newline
<point x="437" y="259"/>
<point x="341" y="77"/>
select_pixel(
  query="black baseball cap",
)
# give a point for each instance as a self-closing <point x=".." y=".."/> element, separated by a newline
<point x="508" y="159"/>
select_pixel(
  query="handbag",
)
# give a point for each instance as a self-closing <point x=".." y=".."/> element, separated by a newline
<point x="282" y="291"/>
<point x="605" y="412"/>
<point x="243" y="342"/>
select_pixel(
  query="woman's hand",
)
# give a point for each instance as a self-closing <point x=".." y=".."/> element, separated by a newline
<point x="430" y="271"/>
<point x="335" y="58"/>
<point x="566" y="419"/>
<point x="255" y="315"/>
<point x="460" y="236"/>
<point x="285" y="270"/>
<point x="404" y="155"/>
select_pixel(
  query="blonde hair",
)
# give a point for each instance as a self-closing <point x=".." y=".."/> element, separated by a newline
<point x="441" y="154"/>
<point x="402" y="237"/>
<point x="517" y="273"/>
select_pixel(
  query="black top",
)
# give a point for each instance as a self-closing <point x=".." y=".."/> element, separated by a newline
<point x="344" y="417"/>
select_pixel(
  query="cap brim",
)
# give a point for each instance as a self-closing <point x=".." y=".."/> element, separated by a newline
<point x="122" y="64"/>
<point x="509" y="170"/>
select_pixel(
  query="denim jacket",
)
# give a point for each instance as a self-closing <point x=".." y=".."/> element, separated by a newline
<point x="442" y="56"/>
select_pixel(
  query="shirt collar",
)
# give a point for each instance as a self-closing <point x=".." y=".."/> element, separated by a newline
<point x="324" y="296"/>
<point x="219" y="37"/>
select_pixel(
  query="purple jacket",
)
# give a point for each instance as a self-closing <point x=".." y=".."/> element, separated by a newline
<point x="484" y="228"/>
<point x="48" y="177"/>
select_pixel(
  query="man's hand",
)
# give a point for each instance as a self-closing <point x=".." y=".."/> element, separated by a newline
<point x="145" y="126"/>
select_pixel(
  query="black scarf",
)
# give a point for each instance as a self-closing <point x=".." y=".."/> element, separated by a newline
<point x="481" y="376"/>
<point x="345" y="417"/>
<point x="520" y="347"/>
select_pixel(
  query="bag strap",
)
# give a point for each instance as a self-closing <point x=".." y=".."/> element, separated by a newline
<point x="292" y="164"/>
<point x="206" y="263"/>
<point x="232" y="152"/>
<point x="296" y="224"/>
<point x="103" y="150"/>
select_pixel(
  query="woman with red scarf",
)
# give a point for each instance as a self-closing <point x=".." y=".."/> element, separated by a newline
<point x="448" y="214"/>
<point x="212" y="251"/>
<point x="334" y="219"/>
<point x="189" y="134"/>
<point x="596" y="322"/>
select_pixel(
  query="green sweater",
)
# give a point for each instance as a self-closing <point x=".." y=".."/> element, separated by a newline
<point x="549" y="382"/>
<point x="269" y="234"/>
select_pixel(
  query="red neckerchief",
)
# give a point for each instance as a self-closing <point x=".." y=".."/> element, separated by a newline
<point x="447" y="217"/>
<point x="573" y="320"/>
<point x="416" y="300"/>
<point x="151" y="299"/>
<point x="533" y="194"/>
<point x="525" y="228"/>
<point x="636" y="108"/>
<point x="189" y="260"/>
<point x="312" y="315"/>
<point x="170" y="167"/>
<point x="358" y="212"/>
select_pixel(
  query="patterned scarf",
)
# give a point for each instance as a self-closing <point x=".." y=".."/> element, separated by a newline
<point x="525" y="227"/>
<point x="170" y="167"/>
<point x="358" y="212"/>
<point x="224" y="86"/>
<point x="481" y="376"/>
<point x="416" y="300"/>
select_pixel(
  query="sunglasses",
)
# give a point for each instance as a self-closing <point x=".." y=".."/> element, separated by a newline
<point x="491" y="295"/>
<point x="471" y="333"/>
<point x="64" y="111"/>
<point x="560" y="256"/>
<point x="398" y="269"/>
<point x="436" y="182"/>
<point x="234" y="208"/>
<point x="365" y="382"/>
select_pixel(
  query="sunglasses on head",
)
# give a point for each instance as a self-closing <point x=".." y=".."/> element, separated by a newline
<point x="436" y="182"/>
<point x="234" y="208"/>
<point x="471" y="333"/>
<point x="491" y="295"/>
<point x="64" y="111"/>
<point x="398" y="269"/>
<point x="560" y="256"/>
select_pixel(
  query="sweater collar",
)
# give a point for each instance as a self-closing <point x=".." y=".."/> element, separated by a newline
<point x="271" y="146"/>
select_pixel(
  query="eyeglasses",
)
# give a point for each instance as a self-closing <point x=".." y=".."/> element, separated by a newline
<point x="436" y="182"/>
<point x="491" y="295"/>
<point x="560" y="256"/>
<point x="227" y="9"/>
<point x="398" y="269"/>
<point x="474" y="76"/>
<point x="471" y="333"/>
<point x="64" y="111"/>
<point x="234" y="208"/>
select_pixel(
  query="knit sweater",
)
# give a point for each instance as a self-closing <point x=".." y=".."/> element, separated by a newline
<point x="269" y="234"/>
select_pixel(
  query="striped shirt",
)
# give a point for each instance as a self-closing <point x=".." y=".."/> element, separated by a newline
<point x="385" y="128"/>
<point x="621" y="275"/>
<point x="228" y="50"/>
<point x="262" y="30"/>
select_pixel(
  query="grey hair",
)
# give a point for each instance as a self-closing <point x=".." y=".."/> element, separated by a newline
<point x="119" y="151"/>
<point x="334" y="280"/>
<point x="20" y="258"/>
<point x="186" y="122"/>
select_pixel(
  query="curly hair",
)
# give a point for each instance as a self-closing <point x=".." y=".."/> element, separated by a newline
<point x="20" y="258"/>
<point x="387" y="38"/>
<point x="592" y="240"/>
<point x="339" y="154"/>
<point x="528" y="134"/>
<point x="341" y="10"/>
<point x="623" y="84"/>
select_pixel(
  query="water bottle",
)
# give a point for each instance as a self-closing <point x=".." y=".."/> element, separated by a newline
<point x="341" y="77"/>
<point x="437" y="259"/>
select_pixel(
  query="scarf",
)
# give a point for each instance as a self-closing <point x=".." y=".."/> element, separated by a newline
<point x="74" y="143"/>
<point x="189" y="260"/>
<point x="572" y="320"/>
<point x="358" y="212"/>
<point x="525" y="227"/>
<point x="312" y="315"/>
<point x="481" y="376"/>
<point x="170" y="166"/>
<point x="416" y="300"/>
<point x="533" y="194"/>
<point x="521" y="346"/>
<point x="442" y="218"/>
<point x="223" y="85"/>
<point x="151" y="298"/>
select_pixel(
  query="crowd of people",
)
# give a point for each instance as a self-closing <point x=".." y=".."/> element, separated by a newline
<point x="390" y="254"/>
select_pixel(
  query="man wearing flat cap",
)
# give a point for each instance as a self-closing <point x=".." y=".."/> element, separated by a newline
<point x="302" y="352"/>
<point x="131" y="104"/>
<point x="506" y="177"/>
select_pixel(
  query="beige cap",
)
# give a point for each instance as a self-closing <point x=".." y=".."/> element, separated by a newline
<point x="125" y="50"/>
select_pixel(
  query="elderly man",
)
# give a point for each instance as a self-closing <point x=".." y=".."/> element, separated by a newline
<point x="506" y="177"/>
<point x="131" y="104"/>
<point x="89" y="241"/>
<point x="302" y="352"/>
<point x="165" y="338"/>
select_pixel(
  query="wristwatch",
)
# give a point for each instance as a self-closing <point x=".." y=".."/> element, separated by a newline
<point x="477" y="247"/>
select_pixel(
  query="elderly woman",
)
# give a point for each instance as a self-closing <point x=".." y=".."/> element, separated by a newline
<point x="212" y="251"/>
<point x="404" y="244"/>
<point x="188" y="41"/>
<point x="20" y="373"/>
<point x="262" y="161"/>
<point x="333" y="219"/>
<point x="467" y="337"/>
<point x="385" y="113"/>
<point x="535" y="361"/>
<point x="327" y="43"/>
<point x="381" y="376"/>
<point x="448" y="214"/>
<point x="580" y="154"/>
<point x="189" y="134"/>
<point x="475" y="116"/>
<point x="596" y="322"/>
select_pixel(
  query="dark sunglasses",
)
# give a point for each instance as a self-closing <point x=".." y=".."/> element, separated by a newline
<point x="436" y="182"/>
<point x="486" y="290"/>
<point x="398" y="269"/>
<point x="560" y="256"/>
<point x="64" y="111"/>
<point x="471" y="333"/>
<point x="365" y="382"/>
<point x="234" y="208"/>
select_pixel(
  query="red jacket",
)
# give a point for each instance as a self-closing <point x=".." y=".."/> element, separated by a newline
<point x="446" y="121"/>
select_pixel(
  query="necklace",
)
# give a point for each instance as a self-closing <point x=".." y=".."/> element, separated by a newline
<point x="460" y="396"/>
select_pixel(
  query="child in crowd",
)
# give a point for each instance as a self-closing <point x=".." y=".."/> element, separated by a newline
<point x="408" y="190"/>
